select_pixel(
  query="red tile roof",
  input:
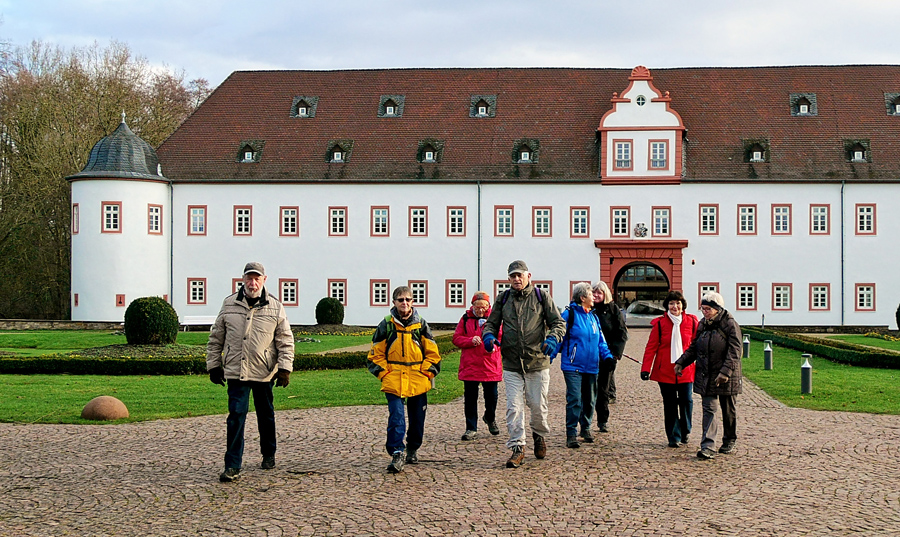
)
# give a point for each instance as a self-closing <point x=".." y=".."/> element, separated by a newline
<point x="559" y="107"/>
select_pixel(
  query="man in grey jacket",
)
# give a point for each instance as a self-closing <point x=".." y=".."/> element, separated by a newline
<point x="532" y="330"/>
<point x="250" y="345"/>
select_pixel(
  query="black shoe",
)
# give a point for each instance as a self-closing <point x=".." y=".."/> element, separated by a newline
<point x="727" y="447"/>
<point x="685" y="439"/>
<point x="492" y="427"/>
<point x="587" y="436"/>
<point x="412" y="456"/>
<point x="268" y="462"/>
<point x="517" y="457"/>
<point x="540" y="446"/>
<point x="229" y="475"/>
<point x="572" y="442"/>
<point x="604" y="428"/>
<point x="396" y="465"/>
<point x="674" y="444"/>
<point x="706" y="454"/>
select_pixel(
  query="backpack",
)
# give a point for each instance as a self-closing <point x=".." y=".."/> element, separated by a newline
<point x="391" y="334"/>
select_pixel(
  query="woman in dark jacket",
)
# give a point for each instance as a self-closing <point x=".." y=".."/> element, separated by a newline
<point x="612" y="323"/>
<point x="717" y="353"/>
<point x="662" y="350"/>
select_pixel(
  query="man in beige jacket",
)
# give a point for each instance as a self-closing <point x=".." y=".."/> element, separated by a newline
<point x="251" y="346"/>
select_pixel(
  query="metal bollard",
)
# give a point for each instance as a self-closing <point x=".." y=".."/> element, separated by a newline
<point x="767" y="356"/>
<point x="746" y="347"/>
<point x="806" y="374"/>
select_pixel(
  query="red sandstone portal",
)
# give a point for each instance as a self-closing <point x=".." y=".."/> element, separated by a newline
<point x="664" y="254"/>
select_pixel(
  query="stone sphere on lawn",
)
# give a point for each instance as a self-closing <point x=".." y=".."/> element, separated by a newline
<point x="104" y="407"/>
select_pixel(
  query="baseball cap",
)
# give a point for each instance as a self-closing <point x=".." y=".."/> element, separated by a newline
<point x="256" y="267"/>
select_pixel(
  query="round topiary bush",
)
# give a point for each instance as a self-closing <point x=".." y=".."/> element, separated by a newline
<point x="329" y="311"/>
<point x="150" y="320"/>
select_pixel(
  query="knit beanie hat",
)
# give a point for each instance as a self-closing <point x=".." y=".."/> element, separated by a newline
<point x="713" y="300"/>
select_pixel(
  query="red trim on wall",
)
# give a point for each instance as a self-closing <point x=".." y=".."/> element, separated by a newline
<point x="410" y="285"/>
<point x="874" y="219"/>
<point x="653" y="221"/>
<point x="612" y="220"/>
<point x="75" y="300"/>
<point x="120" y="300"/>
<point x="737" y="296"/>
<point x="700" y="286"/>
<point x="856" y="296"/>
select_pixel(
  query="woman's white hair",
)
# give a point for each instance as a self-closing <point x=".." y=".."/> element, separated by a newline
<point x="607" y="294"/>
<point x="581" y="290"/>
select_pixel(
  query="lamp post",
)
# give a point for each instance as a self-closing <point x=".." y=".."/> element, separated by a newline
<point x="806" y="374"/>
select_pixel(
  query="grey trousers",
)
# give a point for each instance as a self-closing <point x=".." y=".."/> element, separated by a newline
<point x="711" y="405"/>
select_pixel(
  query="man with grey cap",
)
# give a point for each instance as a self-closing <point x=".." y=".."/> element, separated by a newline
<point x="532" y="330"/>
<point x="251" y="346"/>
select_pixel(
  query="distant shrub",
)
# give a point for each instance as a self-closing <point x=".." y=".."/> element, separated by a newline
<point x="150" y="320"/>
<point x="897" y="317"/>
<point x="329" y="311"/>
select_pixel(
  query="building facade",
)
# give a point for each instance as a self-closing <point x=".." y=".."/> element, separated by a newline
<point x="777" y="187"/>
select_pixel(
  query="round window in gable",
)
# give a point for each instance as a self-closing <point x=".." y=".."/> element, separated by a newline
<point x="641" y="100"/>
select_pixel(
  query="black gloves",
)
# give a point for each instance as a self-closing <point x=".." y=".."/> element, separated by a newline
<point x="645" y="375"/>
<point x="217" y="375"/>
<point x="283" y="378"/>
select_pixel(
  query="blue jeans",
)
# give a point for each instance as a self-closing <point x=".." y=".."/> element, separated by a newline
<point x="678" y="405"/>
<point x="471" y="402"/>
<point x="581" y="396"/>
<point x="396" y="428"/>
<point x="238" y="405"/>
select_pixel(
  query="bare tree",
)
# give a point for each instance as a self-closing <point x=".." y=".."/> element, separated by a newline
<point x="55" y="104"/>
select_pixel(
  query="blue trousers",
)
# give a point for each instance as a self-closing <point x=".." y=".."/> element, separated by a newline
<point x="238" y="406"/>
<point x="678" y="405"/>
<point x="470" y="405"/>
<point x="581" y="397"/>
<point x="396" y="429"/>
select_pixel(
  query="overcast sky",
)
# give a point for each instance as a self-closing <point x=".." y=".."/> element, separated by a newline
<point x="211" y="38"/>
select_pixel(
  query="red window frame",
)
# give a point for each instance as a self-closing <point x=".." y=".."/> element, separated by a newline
<point x="790" y="218"/>
<point x="755" y="218"/>
<point x="411" y="283"/>
<point x="512" y="220"/>
<point x="190" y="299"/>
<point x="249" y="216"/>
<point x="447" y="284"/>
<point x="737" y="296"/>
<point x="874" y="220"/>
<point x="790" y="287"/>
<point x="856" y="288"/>
<point x="650" y="155"/>
<point x="190" y="220"/>
<point x="827" y="287"/>
<point x="103" y="206"/>
<point x="150" y="207"/>
<point x="372" y="231"/>
<point x="615" y="161"/>
<point x="700" y="219"/>
<point x="534" y="221"/>
<point x="282" y="220"/>
<point x="587" y="222"/>
<point x="827" y="207"/>
<point x="281" y="284"/>
<point x="612" y="221"/>
<point x="346" y="221"/>
<point x="425" y="216"/>
<point x="387" y="292"/>
<point x="338" y="280"/>
<point x="700" y="291"/>
<point x="653" y="210"/>
<point x="449" y="220"/>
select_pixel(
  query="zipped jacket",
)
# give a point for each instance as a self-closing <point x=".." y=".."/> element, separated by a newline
<point x="527" y="322"/>
<point x="612" y="323"/>
<point x="404" y="356"/>
<point x="583" y="346"/>
<point x="475" y="363"/>
<point x="658" y="352"/>
<point x="250" y="343"/>
<point x="716" y="349"/>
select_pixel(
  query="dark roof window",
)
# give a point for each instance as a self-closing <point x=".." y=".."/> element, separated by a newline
<point x="339" y="151"/>
<point x="430" y="150"/>
<point x="525" y="151"/>
<point x="391" y="105"/>
<point x="304" y="107"/>
<point x="892" y="103"/>
<point x="756" y="150"/>
<point x="483" y="106"/>
<point x="250" y="150"/>
<point x="857" y="151"/>
<point x="804" y="104"/>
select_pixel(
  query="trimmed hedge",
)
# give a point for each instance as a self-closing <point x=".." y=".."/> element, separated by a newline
<point x="190" y="362"/>
<point x="832" y="349"/>
<point x="150" y="320"/>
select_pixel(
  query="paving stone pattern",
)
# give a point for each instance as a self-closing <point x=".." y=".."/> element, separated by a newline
<point x="795" y="472"/>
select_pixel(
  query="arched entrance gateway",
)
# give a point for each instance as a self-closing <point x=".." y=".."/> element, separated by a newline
<point x="641" y="270"/>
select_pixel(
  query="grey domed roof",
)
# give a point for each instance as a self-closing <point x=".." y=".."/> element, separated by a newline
<point x="122" y="155"/>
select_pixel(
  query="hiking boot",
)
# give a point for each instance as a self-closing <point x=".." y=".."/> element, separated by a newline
<point x="572" y="442"/>
<point x="727" y="447"/>
<point x="540" y="446"/>
<point x="674" y="444"/>
<point x="604" y="428"/>
<point x="706" y="454"/>
<point x="492" y="427"/>
<point x="229" y="475"/>
<point x="412" y="456"/>
<point x="612" y="400"/>
<point x="268" y="462"/>
<point x="396" y="465"/>
<point x="587" y="436"/>
<point x="685" y="439"/>
<point x="517" y="457"/>
<point x="470" y="435"/>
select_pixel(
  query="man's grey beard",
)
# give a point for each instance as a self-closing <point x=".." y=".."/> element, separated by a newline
<point x="252" y="294"/>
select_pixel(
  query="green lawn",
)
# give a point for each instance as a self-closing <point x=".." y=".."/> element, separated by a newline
<point x="37" y="342"/>
<point x="870" y="341"/>
<point x="834" y="386"/>
<point x="60" y="398"/>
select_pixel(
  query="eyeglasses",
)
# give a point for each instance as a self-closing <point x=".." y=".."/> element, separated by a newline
<point x="403" y="299"/>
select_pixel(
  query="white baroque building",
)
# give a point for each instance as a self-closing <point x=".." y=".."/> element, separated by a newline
<point x="776" y="186"/>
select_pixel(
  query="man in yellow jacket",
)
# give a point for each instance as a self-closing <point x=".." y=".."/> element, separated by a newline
<point x="405" y="358"/>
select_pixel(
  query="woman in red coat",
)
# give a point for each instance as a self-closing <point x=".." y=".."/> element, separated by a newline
<point x="659" y="359"/>
<point x="477" y="366"/>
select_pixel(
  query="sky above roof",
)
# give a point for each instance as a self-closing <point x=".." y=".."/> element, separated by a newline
<point x="211" y="38"/>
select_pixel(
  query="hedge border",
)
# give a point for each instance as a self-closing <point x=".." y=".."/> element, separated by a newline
<point x="74" y="364"/>
<point x="834" y="350"/>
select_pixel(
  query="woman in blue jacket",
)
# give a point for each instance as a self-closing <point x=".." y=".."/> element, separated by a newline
<point x="581" y="351"/>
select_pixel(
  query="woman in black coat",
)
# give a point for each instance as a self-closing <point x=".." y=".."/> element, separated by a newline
<point x="612" y="324"/>
<point x="717" y="350"/>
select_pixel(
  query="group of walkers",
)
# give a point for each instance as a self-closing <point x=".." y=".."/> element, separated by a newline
<point x="514" y="340"/>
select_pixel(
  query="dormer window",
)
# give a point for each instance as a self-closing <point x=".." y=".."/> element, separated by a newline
<point x="803" y="108"/>
<point x="337" y="156"/>
<point x="897" y="108"/>
<point x="429" y="150"/>
<point x="757" y="156"/>
<point x="525" y="151"/>
<point x="856" y="150"/>
<point x="304" y="107"/>
<point x="483" y="106"/>
<point x="525" y="155"/>
<point x="391" y="105"/>
<point x="428" y="156"/>
<point x="756" y="150"/>
<point x="339" y="151"/>
<point x="390" y="109"/>
<point x="250" y="151"/>
<point x="803" y="104"/>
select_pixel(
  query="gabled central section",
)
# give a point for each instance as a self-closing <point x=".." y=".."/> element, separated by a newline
<point x="641" y="136"/>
